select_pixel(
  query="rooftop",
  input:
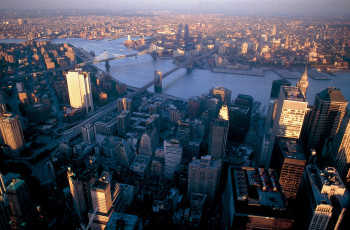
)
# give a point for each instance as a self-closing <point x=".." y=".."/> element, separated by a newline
<point x="257" y="192"/>
<point x="15" y="184"/>
<point x="331" y="94"/>
<point x="290" y="148"/>
<point x="102" y="182"/>
<point x="293" y="93"/>
<point x="122" y="221"/>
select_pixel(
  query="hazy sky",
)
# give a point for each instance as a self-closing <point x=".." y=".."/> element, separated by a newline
<point x="299" y="7"/>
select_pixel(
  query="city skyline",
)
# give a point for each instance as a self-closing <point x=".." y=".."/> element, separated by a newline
<point x="238" y="7"/>
<point x="178" y="130"/>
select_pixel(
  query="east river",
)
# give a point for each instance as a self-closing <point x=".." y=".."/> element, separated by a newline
<point x="139" y="71"/>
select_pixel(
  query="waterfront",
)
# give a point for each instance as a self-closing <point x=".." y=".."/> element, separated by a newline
<point x="139" y="71"/>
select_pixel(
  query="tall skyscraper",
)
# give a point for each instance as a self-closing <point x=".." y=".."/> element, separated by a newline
<point x="289" y="161"/>
<point x="11" y="132"/>
<point x="173" y="156"/>
<point x="217" y="138"/>
<point x="183" y="135"/>
<point x="326" y="115"/>
<point x="290" y="114"/>
<point x="20" y="203"/>
<point x="204" y="176"/>
<point x="101" y="202"/>
<point x="303" y="83"/>
<point x="340" y="151"/>
<point x="221" y="93"/>
<point x="79" y="89"/>
<point x="324" y="198"/>
<point x="80" y="190"/>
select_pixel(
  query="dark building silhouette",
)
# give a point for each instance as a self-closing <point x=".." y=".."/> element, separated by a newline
<point x="326" y="115"/>
<point x="218" y="138"/>
<point x="276" y="86"/>
<point x="239" y="122"/>
<point x="289" y="161"/>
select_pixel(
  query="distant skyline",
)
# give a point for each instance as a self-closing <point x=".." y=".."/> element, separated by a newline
<point x="238" y="7"/>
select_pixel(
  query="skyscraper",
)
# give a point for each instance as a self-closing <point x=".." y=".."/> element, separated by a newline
<point x="173" y="155"/>
<point x="79" y="89"/>
<point x="340" y="151"/>
<point x="88" y="133"/>
<point x="326" y="115"/>
<point x="289" y="161"/>
<point x="324" y="197"/>
<point x="11" y="132"/>
<point x="290" y="114"/>
<point x="217" y="138"/>
<point x="303" y="83"/>
<point x="20" y="203"/>
<point x="80" y="190"/>
<point x="183" y="135"/>
<point x="203" y="176"/>
<point x="101" y="201"/>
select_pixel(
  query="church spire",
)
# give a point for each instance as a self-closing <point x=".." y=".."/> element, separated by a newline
<point x="303" y="83"/>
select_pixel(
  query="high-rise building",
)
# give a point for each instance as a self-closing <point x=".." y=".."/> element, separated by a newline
<point x="239" y="122"/>
<point x="244" y="49"/>
<point x="118" y="150"/>
<point x="194" y="107"/>
<point x="324" y="197"/>
<point x="101" y="202"/>
<point x="326" y="115"/>
<point x="123" y="124"/>
<point x="217" y="138"/>
<point x="183" y="135"/>
<point x="221" y="93"/>
<point x="124" y="104"/>
<point x="11" y="132"/>
<point x="303" y="83"/>
<point x="88" y="133"/>
<point x="79" y="89"/>
<point x="80" y="191"/>
<point x="149" y="142"/>
<point x="204" y="176"/>
<point x="20" y="202"/>
<point x="253" y="199"/>
<point x="289" y="119"/>
<point x="276" y="87"/>
<point x="173" y="156"/>
<point x="340" y="151"/>
<point x="289" y="161"/>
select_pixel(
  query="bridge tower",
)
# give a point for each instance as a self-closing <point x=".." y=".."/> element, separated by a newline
<point x="189" y="67"/>
<point x="158" y="81"/>
<point x="107" y="65"/>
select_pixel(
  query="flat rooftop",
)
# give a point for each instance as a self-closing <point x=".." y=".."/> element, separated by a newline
<point x="257" y="191"/>
<point x="290" y="148"/>
<point x="122" y="221"/>
<point x="293" y="93"/>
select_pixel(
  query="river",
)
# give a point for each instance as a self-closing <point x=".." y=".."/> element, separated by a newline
<point x="138" y="71"/>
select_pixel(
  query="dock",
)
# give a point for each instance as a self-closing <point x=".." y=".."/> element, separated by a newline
<point x="253" y="72"/>
<point x="285" y="74"/>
